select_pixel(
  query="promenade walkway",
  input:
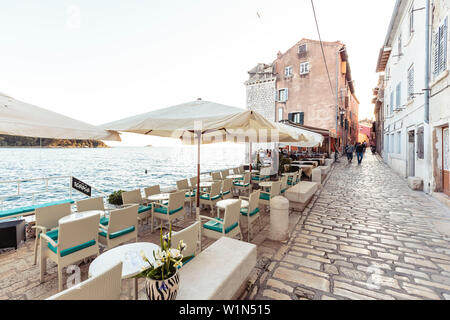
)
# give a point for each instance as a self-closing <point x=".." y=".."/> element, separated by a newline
<point x="367" y="236"/>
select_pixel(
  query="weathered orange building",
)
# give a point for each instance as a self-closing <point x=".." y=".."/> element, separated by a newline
<point x="304" y="93"/>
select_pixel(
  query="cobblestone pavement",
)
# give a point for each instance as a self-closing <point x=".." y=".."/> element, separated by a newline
<point x="367" y="236"/>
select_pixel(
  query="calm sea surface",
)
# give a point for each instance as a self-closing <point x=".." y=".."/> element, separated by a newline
<point x="105" y="169"/>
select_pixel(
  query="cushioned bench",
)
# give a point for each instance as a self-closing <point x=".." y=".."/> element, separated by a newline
<point x="300" y="195"/>
<point x="219" y="272"/>
<point x="29" y="210"/>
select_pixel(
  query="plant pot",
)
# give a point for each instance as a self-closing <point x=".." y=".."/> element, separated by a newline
<point x="166" y="289"/>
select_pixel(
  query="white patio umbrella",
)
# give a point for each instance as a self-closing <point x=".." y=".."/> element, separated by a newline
<point x="312" y="139"/>
<point x="202" y="122"/>
<point x="18" y="118"/>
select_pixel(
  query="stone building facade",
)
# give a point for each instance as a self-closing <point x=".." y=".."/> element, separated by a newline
<point x="296" y="87"/>
<point x="440" y="97"/>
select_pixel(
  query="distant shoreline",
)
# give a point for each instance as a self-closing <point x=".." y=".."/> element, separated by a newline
<point x="47" y="147"/>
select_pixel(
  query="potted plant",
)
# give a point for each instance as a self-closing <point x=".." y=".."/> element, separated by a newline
<point x="162" y="278"/>
<point x="115" y="198"/>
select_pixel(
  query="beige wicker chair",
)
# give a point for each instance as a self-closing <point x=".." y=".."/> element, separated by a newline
<point x="216" y="176"/>
<point x="183" y="185"/>
<point x="263" y="176"/>
<point x="241" y="169"/>
<point x="236" y="171"/>
<point x="217" y="228"/>
<point x="122" y="227"/>
<point x="135" y="197"/>
<point x="227" y="185"/>
<point x="191" y="236"/>
<point x="91" y="204"/>
<point x="193" y="182"/>
<point x="243" y="185"/>
<point x="265" y="197"/>
<point x="251" y="213"/>
<point x="225" y="174"/>
<point x="47" y="220"/>
<point x="174" y="209"/>
<point x="212" y="197"/>
<point x="105" y="286"/>
<point x="151" y="191"/>
<point x="75" y="241"/>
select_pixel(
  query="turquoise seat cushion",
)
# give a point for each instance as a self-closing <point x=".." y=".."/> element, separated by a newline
<point x="283" y="191"/>
<point x="215" y="226"/>
<point x="68" y="251"/>
<point x="257" y="178"/>
<point x="244" y="212"/>
<point x="265" y="196"/>
<point x="207" y="196"/>
<point x="188" y="260"/>
<point x="237" y="184"/>
<point x="104" y="221"/>
<point x="143" y="208"/>
<point x="52" y="234"/>
<point x="163" y="210"/>
<point x="117" y="233"/>
<point x="226" y="193"/>
<point x="16" y="211"/>
<point x="190" y="194"/>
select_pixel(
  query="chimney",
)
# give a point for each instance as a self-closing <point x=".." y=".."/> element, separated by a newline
<point x="279" y="54"/>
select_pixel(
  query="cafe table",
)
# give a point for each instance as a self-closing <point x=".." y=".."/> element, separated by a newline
<point x="159" y="197"/>
<point x="79" y="215"/>
<point x="130" y="256"/>
<point x="223" y="204"/>
<point x="235" y="176"/>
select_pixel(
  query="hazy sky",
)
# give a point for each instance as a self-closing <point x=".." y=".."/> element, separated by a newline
<point x="99" y="61"/>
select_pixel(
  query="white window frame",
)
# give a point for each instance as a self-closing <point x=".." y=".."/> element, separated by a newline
<point x="286" y="95"/>
<point x="280" y="114"/>
<point x="305" y="68"/>
<point x="288" y="72"/>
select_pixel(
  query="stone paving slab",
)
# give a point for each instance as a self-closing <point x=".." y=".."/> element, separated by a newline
<point x="367" y="236"/>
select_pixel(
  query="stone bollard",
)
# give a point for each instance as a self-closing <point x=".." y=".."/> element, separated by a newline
<point x="279" y="219"/>
<point x="317" y="175"/>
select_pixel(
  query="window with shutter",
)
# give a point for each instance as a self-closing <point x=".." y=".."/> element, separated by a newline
<point x="280" y="114"/>
<point x="411" y="82"/>
<point x="298" y="117"/>
<point x="400" y="46"/>
<point x="398" y="100"/>
<point x="440" y="48"/>
<point x="392" y="102"/>
<point x="420" y="143"/>
<point x="288" y="71"/>
<point x="411" y="20"/>
<point x="283" y="95"/>
<point x="302" y="49"/>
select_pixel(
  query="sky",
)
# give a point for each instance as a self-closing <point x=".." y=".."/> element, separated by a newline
<point x="104" y="60"/>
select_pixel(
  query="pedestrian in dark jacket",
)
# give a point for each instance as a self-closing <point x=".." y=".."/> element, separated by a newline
<point x="359" y="148"/>
<point x="349" y="149"/>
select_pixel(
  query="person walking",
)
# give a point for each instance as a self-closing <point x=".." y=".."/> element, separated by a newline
<point x="349" y="149"/>
<point x="359" y="148"/>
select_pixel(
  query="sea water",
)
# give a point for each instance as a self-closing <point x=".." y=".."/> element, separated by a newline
<point x="107" y="170"/>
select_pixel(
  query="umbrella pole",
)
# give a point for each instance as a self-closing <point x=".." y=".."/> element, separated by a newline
<point x="199" y="135"/>
<point x="250" y="167"/>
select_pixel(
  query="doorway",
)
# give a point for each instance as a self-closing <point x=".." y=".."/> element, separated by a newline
<point x="446" y="160"/>
<point x="411" y="154"/>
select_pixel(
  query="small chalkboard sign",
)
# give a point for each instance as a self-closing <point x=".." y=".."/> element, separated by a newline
<point x="81" y="186"/>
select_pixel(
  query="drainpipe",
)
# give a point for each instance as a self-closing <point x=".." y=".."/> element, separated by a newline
<point x="427" y="63"/>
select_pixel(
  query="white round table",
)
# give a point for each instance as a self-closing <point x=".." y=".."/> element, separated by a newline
<point x="206" y="184"/>
<point x="159" y="197"/>
<point x="80" y="215"/>
<point x="235" y="176"/>
<point x="129" y="255"/>
<point x="168" y="189"/>
<point x="266" y="184"/>
<point x="253" y="171"/>
<point x="222" y="204"/>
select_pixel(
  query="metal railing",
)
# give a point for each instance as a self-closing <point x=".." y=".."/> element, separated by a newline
<point x="33" y="194"/>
